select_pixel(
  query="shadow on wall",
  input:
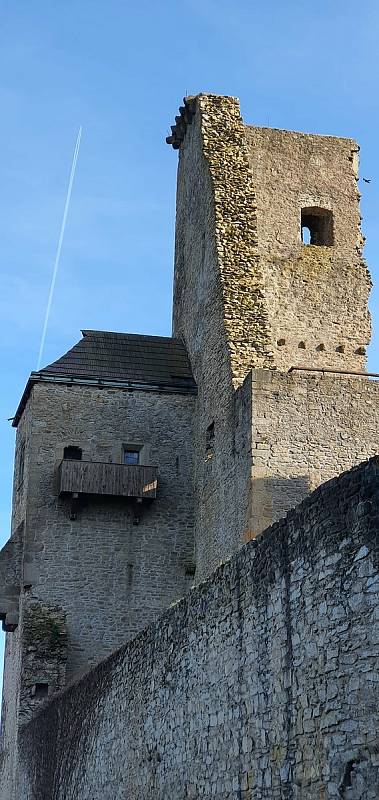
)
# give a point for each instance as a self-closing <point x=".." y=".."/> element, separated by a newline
<point x="271" y="499"/>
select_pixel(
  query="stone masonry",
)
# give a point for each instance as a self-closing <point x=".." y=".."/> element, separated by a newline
<point x="108" y="576"/>
<point x="249" y="294"/>
<point x="261" y="684"/>
<point x="179" y="452"/>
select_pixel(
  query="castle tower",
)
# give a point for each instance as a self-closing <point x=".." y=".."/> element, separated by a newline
<point x="102" y="526"/>
<point x="130" y="446"/>
<point x="270" y="289"/>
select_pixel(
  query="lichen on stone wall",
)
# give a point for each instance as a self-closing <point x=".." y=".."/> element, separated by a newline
<point x="44" y="655"/>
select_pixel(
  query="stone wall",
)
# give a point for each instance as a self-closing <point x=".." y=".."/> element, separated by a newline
<point x="43" y="656"/>
<point x="103" y="575"/>
<point x="9" y="714"/>
<point x="316" y="295"/>
<point x="249" y="295"/>
<point x="198" y="318"/>
<point x="306" y="429"/>
<point x="108" y="574"/>
<point x="14" y="568"/>
<point x="260" y="685"/>
<point x="10" y="579"/>
<point x="289" y="433"/>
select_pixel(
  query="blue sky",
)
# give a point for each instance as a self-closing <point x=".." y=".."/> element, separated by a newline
<point x="120" y="69"/>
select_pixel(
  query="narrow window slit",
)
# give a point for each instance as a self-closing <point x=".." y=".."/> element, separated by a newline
<point x="40" y="690"/>
<point x="209" y="438"/>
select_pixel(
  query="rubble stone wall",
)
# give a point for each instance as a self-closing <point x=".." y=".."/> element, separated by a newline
<point x="199" y="318"/>
<point x="260" y="685"/>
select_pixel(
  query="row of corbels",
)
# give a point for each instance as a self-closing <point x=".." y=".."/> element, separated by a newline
<point x="186" y="114"/>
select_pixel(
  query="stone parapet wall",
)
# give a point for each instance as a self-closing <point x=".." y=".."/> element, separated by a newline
<point x="260" y="685"/>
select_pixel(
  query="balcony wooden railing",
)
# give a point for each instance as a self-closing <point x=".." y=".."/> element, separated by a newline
<point x="120" y="480"/>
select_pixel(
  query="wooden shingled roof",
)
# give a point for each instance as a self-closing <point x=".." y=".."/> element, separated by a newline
<point x="155" y="363"/>
<point x="126" y="357"/>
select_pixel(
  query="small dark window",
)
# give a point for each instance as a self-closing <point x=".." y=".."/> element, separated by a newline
<point x="209" y="437"/>
<point x="72" y="453"/>
<point x="317" y="226"/>
<point x="131" y="457"/>
<point x="21" y="463"/>
<point x="40" y="690"/>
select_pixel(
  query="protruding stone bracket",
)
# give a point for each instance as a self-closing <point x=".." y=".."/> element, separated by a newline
<point x="186" y="114"/>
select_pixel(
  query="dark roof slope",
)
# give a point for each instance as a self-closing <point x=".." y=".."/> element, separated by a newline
<point x="126" y="357"/>
<point x="150" y="362"/>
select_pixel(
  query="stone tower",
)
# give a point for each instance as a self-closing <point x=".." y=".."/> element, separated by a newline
<point x="102" y="525"/>
<point x="270" y="298"/>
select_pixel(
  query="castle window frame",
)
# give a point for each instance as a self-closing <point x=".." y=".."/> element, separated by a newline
<point x="317" y="227"/>
<point x="72" y="453"/>
<point x="131" y="456"/>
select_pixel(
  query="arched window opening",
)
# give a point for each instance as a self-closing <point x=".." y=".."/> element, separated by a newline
<point x="317" y="226"/>
<point x="72" y="453"/>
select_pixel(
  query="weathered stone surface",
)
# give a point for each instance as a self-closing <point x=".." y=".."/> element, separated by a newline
<point x="107" y="576"/>
<point x="314" y="294"/>
<point x="44" y="655"/>
<point x="261" y="683"/>
<point x="306" y="428"/>
<point x="247" y="293"/>
<point x="10" y="576"/>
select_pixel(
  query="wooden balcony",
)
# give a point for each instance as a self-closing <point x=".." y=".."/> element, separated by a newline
<point x="117" y="480"/>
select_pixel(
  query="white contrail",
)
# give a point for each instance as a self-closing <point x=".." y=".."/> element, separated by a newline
<point x="59" y="248"/>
